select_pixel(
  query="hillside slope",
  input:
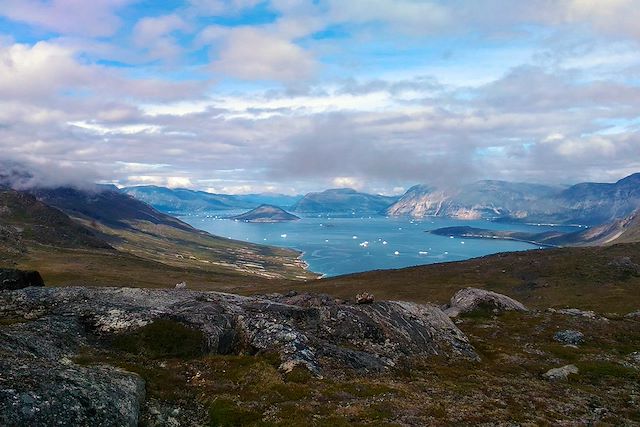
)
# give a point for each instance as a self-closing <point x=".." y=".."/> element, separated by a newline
<point x="152" y="248"/>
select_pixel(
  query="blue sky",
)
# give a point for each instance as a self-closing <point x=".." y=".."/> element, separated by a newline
<point x="293" y="96"/>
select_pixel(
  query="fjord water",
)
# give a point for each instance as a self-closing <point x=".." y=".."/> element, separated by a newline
<point x="342" y="245"/>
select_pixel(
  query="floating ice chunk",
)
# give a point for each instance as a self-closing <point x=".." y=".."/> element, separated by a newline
<point x="364" y="244"/>
<point x="326" y="240"/>
<point x="384" y="242"/>
<point x="446" y="253"/>
<point x="354" y="237"/>
<point x="451" y="237"/>
<point x="396" y="253"/>
<point x="462" y="243"/>
<point x="423" y="253"/>
<point x="284" y="236"/>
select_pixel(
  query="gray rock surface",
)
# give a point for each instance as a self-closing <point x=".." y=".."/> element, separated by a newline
<point x="39" y="381"/>
<point x="575" y="312"/>
<point x="633" y="315"/>
<point x="560" y="374"/>
<point x="41" y="386"/>
<point x="12" y="279"/>
<point x="569" y="336"/>
<point x="471" y="299"/>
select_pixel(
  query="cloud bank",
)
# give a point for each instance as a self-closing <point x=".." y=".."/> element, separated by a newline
<point x="293" y="96"/>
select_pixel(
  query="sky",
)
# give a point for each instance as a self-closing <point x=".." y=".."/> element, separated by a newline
<point x="291" y="96"/>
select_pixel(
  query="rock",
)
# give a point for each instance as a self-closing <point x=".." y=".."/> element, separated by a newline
<point x="570" y="337"/>
<point x="578" y="313"/>
<point x="625" y="265"/>
<point x="310" y="330"/>
<point x="11" y="279"/>
<point x="181" y="285"/>
<point x="364" y="298"/>
<point x="560" y="374"/>
<point x="633" y="315"/>
<point x="41" y="386"/>
<point x="471" y="299"/>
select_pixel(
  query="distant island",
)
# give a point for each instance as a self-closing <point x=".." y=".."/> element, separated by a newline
<point x="266" y="213"/>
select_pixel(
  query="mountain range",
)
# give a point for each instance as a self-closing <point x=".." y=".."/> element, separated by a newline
<point x="180" y="200"/>
<point x="585" y="203"/>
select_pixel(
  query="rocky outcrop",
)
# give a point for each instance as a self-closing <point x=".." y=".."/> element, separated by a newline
<point x="11" y="279"/>
<point x="569" y="337"/>
<point x="40" y="382"/>
<point x="472" y="299"/>
<point x="300" y="328"/>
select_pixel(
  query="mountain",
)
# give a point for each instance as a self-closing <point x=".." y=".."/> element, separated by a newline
<point x="103" y="236"/>
<point x="343" y="200"/>
<point x="586" y="203"/>
<point x="597" y="203"/>
<point x="266" y="213"/>
<point x="482" y="199"/>
<point x="185" y="201"/>
<point x="26" y="221"/>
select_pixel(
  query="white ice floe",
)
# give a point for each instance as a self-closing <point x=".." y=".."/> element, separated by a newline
<point x="396" y="253"/>
<point x="354" y="237"/>
<point x="284" y="236"/>
<point x="384" y="242"/>
<point x="423" y="253"/>
<point x="364" y="244"/>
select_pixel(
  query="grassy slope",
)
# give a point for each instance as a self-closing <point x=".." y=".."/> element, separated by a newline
<point x="575" y="277"/>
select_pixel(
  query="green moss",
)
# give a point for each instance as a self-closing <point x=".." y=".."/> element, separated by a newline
<point x="162" y="339"/>
<point x="299" y="374"/>
<point x="226" y="413"/>
<point x="596" y="371"/>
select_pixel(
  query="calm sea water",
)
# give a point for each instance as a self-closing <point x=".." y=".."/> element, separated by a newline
<point x="334" y="246"/>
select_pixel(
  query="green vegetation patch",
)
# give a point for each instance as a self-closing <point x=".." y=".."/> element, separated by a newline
<point x="162" y="339"/>
<point x="226" y="413"/>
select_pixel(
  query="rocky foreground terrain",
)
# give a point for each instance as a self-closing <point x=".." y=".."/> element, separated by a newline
<point x="127" y="356"/>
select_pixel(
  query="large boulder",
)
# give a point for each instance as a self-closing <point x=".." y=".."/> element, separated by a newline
<point x="12" y="279"/>
<point x="471" y="299"/>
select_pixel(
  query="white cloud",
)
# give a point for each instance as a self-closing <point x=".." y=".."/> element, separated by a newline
<point x="347" y="182"/>
<point x="154" y="35"/>
<point x="82" y="17"/>
<point x="254" y="54"/>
